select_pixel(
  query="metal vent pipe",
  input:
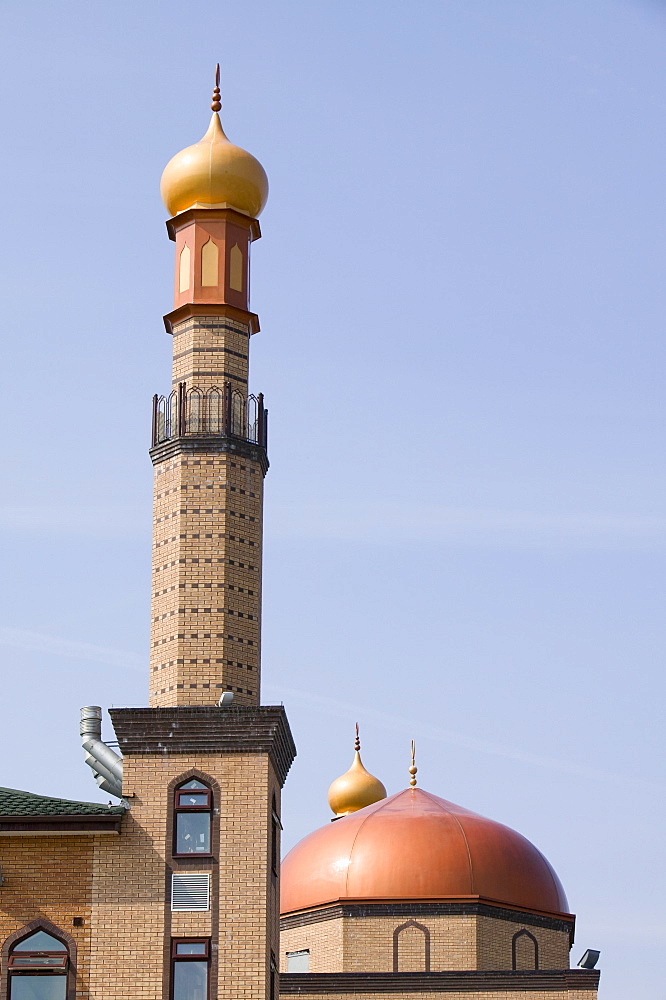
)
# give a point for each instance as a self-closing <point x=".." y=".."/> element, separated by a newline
<point x="106" y="764"/>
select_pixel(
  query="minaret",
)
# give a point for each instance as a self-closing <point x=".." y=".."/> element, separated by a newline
<point x="190" y="888"/>
<point x="209" y="436"/>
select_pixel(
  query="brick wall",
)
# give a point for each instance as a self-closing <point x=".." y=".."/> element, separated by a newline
<point x="447" y="942"/>
<point x="49" y="878"/>
<point x="120" y="885"/>
<point x="131" y="915"/>
<point x="495" y="945"/>
<point x="206" y="584"/>
<point x="211" y="350"/>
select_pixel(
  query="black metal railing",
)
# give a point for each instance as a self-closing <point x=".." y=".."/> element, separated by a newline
<point x="215" y="412"/>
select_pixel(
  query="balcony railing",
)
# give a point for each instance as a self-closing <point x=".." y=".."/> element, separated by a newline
<point x="215" y="412"/>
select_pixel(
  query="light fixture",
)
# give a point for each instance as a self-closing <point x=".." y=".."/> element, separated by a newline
<point x="589" y="959"/>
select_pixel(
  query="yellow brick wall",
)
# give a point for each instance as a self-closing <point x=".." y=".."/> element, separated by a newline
<point x="369" y="943"/>
<point x="457" y="943"/>
<point x="324" y="941"/>
<point x="131" y="915"/>
<point x="494" y="945"/>
<point x="206" y="583"/>
<point x="209" y="351"/>
<point x="49" y="878"/>
<point x="120" y="885"/>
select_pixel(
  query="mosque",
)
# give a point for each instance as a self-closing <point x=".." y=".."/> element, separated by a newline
<point x="176" y="892"/>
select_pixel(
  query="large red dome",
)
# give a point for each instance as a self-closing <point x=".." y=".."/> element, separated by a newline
<point x="415" y="845"/>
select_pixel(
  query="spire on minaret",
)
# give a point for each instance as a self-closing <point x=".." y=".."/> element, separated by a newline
<point x="217" y="104"/>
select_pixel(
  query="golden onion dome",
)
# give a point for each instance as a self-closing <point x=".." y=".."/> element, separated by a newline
<point x="213" y="173"/>
<point x="355" y="789"/>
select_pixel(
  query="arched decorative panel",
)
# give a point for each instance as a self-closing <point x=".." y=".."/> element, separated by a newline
<point x="184" y="269"/>
<point x="209" y="264"/>
<point x="524" y="951"/>
<point x="411" y="947"/>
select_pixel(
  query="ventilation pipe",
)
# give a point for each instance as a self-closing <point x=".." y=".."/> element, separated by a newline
<point x="107" y="766"/>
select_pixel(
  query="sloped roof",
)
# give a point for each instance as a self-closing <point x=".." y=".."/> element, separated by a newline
<point x="14" y="802"/>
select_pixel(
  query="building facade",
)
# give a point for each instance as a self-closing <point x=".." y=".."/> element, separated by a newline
<point x="412" y="894"/>
<point x="174" y="892"/>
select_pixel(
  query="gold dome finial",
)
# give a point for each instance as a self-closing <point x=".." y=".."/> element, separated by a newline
<point x="213" y="173"/>
<point x="356" y="788"/>
<point x="217" y="104"/>
<point x="413" y="769"/>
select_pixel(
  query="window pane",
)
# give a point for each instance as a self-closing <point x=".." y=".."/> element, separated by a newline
<point x="190" y="980"/>
<point x="193" y="799"/>
<point x="193" y="784"/>
<point x="193" y="833"/>
<point x="38" y="988"/>
<point x="191" y="948"/>
<point x="29" y="960"/>
<point x="40" y="941"/>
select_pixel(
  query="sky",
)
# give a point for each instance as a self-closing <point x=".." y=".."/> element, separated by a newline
<point x="461" y="294"/>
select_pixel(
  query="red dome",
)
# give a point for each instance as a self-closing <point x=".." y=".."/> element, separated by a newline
<point x="415" y="845"/>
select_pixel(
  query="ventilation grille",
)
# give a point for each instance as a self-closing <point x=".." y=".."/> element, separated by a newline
<point x="190" y="891"/>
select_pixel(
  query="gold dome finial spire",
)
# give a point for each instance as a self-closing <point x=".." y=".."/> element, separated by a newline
<point x="214" y="173"/>
<point x="216" y="103"/>
<point x="355" y="789"/>
<point x="413" y="769"/>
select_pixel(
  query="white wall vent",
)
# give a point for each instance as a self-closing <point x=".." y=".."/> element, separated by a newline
<point x="190" y="891"/>
<point x="298" y="961"/>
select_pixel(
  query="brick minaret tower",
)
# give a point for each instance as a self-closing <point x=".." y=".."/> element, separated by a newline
<point x="209" y="437"/>
<point x="192" y="883"/>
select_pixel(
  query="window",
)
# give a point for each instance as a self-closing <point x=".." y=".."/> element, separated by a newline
<point x="190" y="959"/>
<point x="298" y="961"/>
<point x="38" y="968"/>
<point x="193" y="808"/>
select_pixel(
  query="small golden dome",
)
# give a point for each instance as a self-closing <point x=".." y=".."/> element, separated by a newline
<point x="355" y="789"/>
<point x="213" y="173"/>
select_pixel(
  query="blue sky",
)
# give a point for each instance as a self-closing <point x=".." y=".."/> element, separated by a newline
<point x="461" y="292"/>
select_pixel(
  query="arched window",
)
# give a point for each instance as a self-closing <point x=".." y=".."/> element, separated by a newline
<point x="193" y="808"/>
<point x="38" y="967"/>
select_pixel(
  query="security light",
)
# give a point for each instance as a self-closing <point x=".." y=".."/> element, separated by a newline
<point x="589" y="959"/>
